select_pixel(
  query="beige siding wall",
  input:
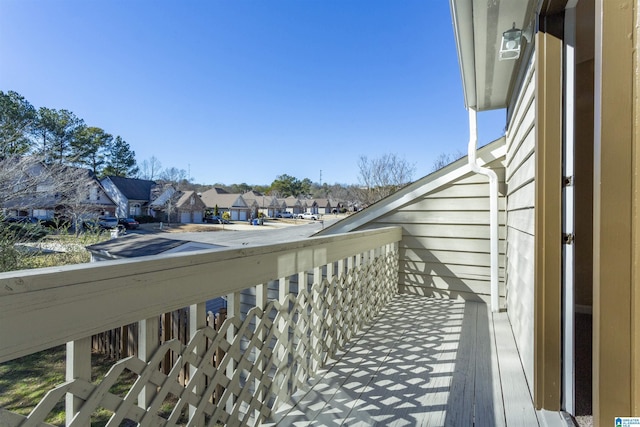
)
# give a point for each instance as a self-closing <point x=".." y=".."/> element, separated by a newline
<point x="520" y="172"/>
<point x="445" y="246"/>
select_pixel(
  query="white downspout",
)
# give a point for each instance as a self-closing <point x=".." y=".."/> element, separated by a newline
<point x="493" y="206"/>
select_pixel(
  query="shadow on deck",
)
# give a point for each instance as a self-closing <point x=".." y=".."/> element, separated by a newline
<point x="423" y="361"/>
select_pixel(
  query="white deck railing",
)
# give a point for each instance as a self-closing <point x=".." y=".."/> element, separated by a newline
<point x="310" y="297"/>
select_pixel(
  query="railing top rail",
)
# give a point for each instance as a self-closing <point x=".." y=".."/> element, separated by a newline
<point x="47" y="307"/>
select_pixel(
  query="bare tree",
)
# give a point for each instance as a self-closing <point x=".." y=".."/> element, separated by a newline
<point x="383" y="176"/>
<point x="445" y="158"/>
<point x="19" y="177"/>
<point x="174" y="175"/>
<point x="150" y="169"/>
<point x="78" y="194"/>
<point x="27" y="183"/>
<point x="170" y="205"/>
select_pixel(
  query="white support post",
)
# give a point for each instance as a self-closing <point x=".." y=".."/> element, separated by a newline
<point x="233" y="310"/>
<point x="350" y="296"/>
<point x="148" y="343"/>
<point x="284" y="348"/>
<point x="303" y="325"/>
<point x="331" y="309"/>
<point x="283" y="297"/>
<point x="78" y="367"/>
<point x="356" y="290"/>
<point x="340" y="303"/>
<point x="316" y="328"/>
<point x="197" y="321"/>
<point x="393" y="249"/>
<point x="261" y="302"/>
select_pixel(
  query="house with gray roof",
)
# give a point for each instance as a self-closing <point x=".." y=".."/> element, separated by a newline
<point x="172" y="205"/>
<point x="268" y="205"/>
<point x="294" y="205"/>
<point x="321" y="206"/>
<point x="238" y="208"/>
<point x="131" y="195"/>
<point x="272" y="206"/>
<point x="61" y="191"/>
<point x="190" y="208"/>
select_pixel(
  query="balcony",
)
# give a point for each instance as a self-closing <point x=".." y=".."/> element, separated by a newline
<point x="424" y="361"/>
<point x="316" y="332"/>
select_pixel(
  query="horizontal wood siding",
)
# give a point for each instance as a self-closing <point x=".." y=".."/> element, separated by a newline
<point x="520" y="246"/>
<point x="444" y="250"/>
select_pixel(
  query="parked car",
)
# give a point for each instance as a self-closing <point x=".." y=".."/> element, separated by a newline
<point x="216" y="220"/>
<point x="308" y="216"/>
<point x="129" y="223"/>
<point x="284" y="215"/>
<point x="101" y="223"/>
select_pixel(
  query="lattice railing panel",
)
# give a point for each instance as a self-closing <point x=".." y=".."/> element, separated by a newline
<point x="267" y="354"/>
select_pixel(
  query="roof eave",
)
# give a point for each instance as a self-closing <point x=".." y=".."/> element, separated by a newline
<point x="461" y="15"/>
<point x="478" y="28"/>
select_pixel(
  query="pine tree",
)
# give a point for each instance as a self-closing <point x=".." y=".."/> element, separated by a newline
<point x="121" y="160"/>
<point x="89" y="148"/>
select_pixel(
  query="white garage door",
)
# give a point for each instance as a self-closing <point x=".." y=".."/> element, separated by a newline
<point x="185" y="217"/>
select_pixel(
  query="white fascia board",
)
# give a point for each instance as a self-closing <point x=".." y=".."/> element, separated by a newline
<point x="462" y="17"/>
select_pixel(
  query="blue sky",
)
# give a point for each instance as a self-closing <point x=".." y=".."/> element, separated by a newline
<point x="244" y="91"/>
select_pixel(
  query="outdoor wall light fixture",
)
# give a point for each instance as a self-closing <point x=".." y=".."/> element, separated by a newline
<point x="511" y="44"/>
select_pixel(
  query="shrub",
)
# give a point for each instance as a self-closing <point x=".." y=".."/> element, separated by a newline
<point x="12" y="235"/>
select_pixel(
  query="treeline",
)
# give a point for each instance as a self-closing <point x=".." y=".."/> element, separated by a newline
<point x="61" y="137"/>
<point x="287" y="185"/>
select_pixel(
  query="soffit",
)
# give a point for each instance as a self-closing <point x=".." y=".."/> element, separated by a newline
<point x="478" y="27"/>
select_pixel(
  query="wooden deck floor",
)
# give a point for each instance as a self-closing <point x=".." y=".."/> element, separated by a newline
<point x="426" y="362"/>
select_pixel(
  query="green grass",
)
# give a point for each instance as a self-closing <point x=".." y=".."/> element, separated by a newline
<point x="25" y="381"/>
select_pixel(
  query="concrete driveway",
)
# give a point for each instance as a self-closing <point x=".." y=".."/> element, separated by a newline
<point x="243" y="234"/>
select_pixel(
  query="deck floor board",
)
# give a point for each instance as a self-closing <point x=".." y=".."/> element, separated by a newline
<point x="424" y="361"/>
